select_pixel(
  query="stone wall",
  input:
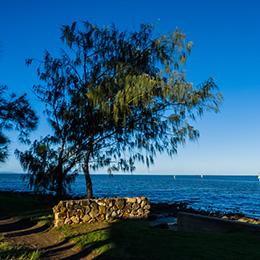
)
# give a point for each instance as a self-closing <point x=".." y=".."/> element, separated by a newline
<point x="92" y="210"/>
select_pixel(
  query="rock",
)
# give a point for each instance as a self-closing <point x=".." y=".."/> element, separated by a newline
<point x="67" y="221"/>
<point x="127" y="208"/>
<point x="86" y="218"/>
<point x="113" y="215"/>
<point x="131" y="200"/>
<point x="75" y="219"/>
<point x="85" y="202"/>
<point x="111" y="203"/>
<point x="252" y="221"/>
<point x="120" y="203"/>
<point x="119" y="214"/>
<point x="143" y="203"/>
<point x="135" y="206"/>
<point x="147" y="207"/>
<point x="69" y="204"/>
<point x="94" y="206"/>
<point x="61" y="215"/>
<point x="101" y="203"/>
<point x="125" y="215"/>
<point x="138" y="200"/>
<point x="59" y="222"/>
<point x="87" y="209"/>
<point x="80" y="213"/>
<point x="107" y="216"/>
<point x="62" y="203"/>
<point x="100" y="218"/>
<point x="63" y="209"/>
<point x="102" y="210"/>
<point x="140" y="212"/>
<point x="94" y="211"/>
<point x="55" y="209"/>
<point x="244" y="219"/>
<point x="92" y="220"/>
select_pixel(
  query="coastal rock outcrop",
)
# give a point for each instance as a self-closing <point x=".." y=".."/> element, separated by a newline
<point x="92" y="210"/>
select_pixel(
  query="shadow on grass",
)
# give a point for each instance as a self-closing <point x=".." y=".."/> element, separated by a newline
<point x="16" y="225"/>
<point x="131" y="239"/>
<point x="35" y="230"/>
<point x="23" y="205"/>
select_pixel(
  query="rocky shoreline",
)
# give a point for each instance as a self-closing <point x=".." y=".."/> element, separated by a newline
<point x="165" y="210"/>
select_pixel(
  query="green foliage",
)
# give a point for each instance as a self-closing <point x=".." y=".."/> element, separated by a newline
<point x="120" y="97"/>
<point x="15" y="113"/>
<point x="47" y="166"/>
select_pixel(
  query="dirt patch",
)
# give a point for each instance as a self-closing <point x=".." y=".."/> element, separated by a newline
<point x="31" y="235"/>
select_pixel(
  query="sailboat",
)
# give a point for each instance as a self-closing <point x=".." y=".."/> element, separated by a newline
<point x="201" y="176"/>
<point x="259" y="178"/>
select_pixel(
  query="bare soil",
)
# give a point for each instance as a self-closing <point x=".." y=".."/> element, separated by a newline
<point x="34" y="236"/>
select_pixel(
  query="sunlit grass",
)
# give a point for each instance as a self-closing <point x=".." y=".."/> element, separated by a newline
<point x="10" y="252"/>
<point x="47" y="221"/>
<point x="97" y="241"/>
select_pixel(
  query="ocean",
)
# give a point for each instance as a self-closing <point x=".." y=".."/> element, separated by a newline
<point x="211" y="193"/>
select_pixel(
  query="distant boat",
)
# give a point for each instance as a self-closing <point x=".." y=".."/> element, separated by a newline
<point x="259" y="177"/>
<point x="174" y="177"/>
<point x="201" y="176"/>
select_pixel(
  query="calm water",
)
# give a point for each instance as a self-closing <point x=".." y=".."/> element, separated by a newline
<point x="224" y="193"/>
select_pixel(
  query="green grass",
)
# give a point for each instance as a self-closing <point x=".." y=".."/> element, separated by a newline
<point x="130" y="239"/>
<point x="97" y="240"/>
<point x="46" y="220"/>
<point x="10" y="252"/>
<point x="137" y="240"/>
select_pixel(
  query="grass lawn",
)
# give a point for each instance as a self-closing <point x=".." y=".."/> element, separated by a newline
<point x="138" y="240"/>
<point x="132" y="239"/>
<point x="13" y="252"/>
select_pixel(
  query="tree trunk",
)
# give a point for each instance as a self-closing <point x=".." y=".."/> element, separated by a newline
<point x="87" y="176"/>
<point x="60" y="175"/>
<point x="59" y="191"/>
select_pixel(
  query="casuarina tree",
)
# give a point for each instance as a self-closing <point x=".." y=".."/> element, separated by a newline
<point x="49" y="165"/>
<point x="15" y="113"/>
<point x="122" y="97"/>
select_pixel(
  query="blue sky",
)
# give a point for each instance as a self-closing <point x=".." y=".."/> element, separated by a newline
<point x="226" y="36"/>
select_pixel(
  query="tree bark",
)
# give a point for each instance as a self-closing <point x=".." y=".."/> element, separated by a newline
<point x="59" y="191"/>
<point x="87" y="176"/>
<point x="60" y="175"/>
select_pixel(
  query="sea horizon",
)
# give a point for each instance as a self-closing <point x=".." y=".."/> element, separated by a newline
<point x="154" y="174"/>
